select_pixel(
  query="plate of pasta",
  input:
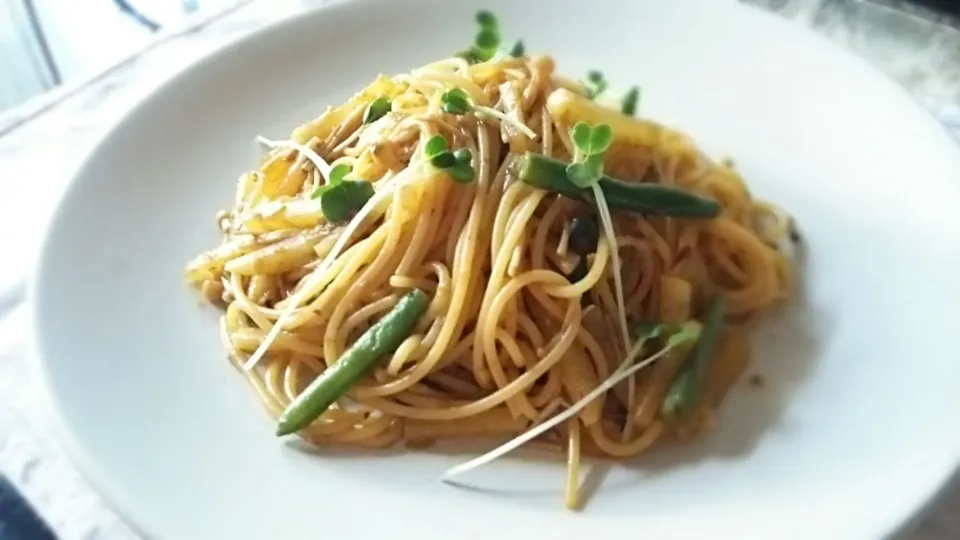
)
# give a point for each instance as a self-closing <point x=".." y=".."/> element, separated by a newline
<point x="514" y="269"/>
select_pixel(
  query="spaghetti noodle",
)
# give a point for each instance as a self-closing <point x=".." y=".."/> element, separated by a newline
<point x="519" y="325"/>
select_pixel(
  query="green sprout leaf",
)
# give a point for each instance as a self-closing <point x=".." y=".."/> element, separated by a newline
<point x="595" y="84"/>
<point x="443" y="160"/>
<point x="470" y="55"/>
<point x="592" y="140"/>
<point x="581" y="136"/>
<point x="488" y="39"/>
<point x="344" y="199"/>
<point x="435" y="145"/>
<point x="629" y="106"/>
<point x="477" y="55"/>
<point x="339" y="172"/>
<point x="462" y="173"/>
<point x="336" y="177"/>
<point x="377" y="110"/>
<point x="686" y="333"/>
<point x="455" y="164"/>
<point x="320" y="191"/>
<point x="456" y="101"/>
<point x="486" y="19"/>
<point x="676" y="335"/>
<point x="600" y="138"/>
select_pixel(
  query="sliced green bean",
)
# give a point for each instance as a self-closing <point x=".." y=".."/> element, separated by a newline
<point x="549" y="174"/>
<point x="685" y="391"/>
<point x="379" y="340"/>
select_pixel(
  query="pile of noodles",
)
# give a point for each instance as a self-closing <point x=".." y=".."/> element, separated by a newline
<point x="508" y="340"/>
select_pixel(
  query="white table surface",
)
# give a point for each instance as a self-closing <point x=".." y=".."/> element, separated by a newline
<point x="42" y="143"/>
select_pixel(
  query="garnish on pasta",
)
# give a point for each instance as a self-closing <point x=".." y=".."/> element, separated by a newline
<point x="480" y="249"/>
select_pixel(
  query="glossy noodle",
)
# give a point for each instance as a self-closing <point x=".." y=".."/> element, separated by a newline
<point x="519" y="325"/>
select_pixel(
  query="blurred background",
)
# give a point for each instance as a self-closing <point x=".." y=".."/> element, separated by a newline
<point x="45" y="43"/>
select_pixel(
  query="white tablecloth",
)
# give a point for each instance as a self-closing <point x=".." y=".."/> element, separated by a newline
<point x="41" y="145"/>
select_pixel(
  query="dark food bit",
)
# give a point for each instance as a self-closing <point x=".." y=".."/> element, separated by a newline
<point x="584" y="235"/>
<point x="580" y="271"/>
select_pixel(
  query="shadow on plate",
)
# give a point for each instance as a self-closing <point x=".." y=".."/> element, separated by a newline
<point x="785" y="349"/>
<point x="784" y="353"/>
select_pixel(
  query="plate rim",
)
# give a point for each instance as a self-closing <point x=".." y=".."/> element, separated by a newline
<point x="66" y="438"/>
<point x="111" y="493"/>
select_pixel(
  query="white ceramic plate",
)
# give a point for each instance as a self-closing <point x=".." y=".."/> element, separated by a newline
<point x="854" y="432"/>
